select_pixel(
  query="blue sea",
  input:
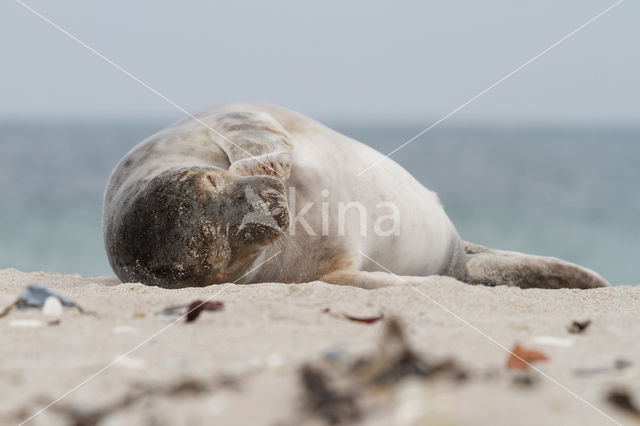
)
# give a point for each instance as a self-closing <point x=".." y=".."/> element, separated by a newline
<point x="564" y="190"/>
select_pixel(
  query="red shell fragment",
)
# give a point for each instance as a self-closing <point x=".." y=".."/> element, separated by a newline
<point x="520" y="358"/>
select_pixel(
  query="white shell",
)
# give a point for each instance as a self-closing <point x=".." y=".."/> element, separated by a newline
<point x="52" y="307"/>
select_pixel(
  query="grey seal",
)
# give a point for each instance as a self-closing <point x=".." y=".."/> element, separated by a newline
<point x="211" y="198"/>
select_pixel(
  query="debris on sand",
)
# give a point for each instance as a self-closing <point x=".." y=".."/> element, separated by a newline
<point x="5" y="311"/>
<point x="395" y="360"/>
<point x="84" y="416"/>
<point x="365" y="320"/>
<point x="191" y="311"/>
<point x="331" y="405"/>
<point x="577" y="327"/>
<point x="34" y="296"/>
<point x="197" y="306"/>
<point x="525" y="380"/>
<point x="340" y="390"/>
<point x="621" y="398"/>
<point x="619" y="364"/>
<point x="520" y="358"/>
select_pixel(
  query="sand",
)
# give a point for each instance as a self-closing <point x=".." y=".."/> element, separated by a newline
<point x="241" y="365"/>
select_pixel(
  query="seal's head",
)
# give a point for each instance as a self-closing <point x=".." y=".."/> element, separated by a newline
<point x="195" y="226"/>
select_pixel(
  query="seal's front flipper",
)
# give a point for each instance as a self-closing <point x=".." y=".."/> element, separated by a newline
<point x="254" y="142"/>
<point x="362" y="279"/>
<point x="276" y="164"/>
<point x="495" y="267"/>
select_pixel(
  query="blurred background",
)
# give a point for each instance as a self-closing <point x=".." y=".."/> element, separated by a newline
<point x="545" y="163"/>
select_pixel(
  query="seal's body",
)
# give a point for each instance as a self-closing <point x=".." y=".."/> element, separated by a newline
<point x="251" y="192"/>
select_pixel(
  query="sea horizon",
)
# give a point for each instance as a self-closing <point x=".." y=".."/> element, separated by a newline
<point x="563" y="189"/>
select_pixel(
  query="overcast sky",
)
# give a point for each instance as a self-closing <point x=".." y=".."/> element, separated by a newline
<point x="337" y="60"/>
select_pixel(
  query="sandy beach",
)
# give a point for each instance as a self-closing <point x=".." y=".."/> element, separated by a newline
<point x="243" y="364"/>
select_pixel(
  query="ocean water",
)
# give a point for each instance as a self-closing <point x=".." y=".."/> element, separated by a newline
<point x="566" y="191"/>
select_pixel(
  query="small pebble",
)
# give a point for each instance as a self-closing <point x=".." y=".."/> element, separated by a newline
<point x="621" y="364"/>
<point x="52" y="307"/>
<point x="122" y="329"/>
<point x="524" y="380"/>
<point x="26" y="323"/>
<point x="217" y="404"/>
<point x="274" y="360"/>
<point x="553" y="341"/>
<point x="334" y="354"/>
<point x="131" y="363"/>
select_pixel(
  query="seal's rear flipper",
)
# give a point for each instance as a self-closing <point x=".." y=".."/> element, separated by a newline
<point x="495" y="267"/>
